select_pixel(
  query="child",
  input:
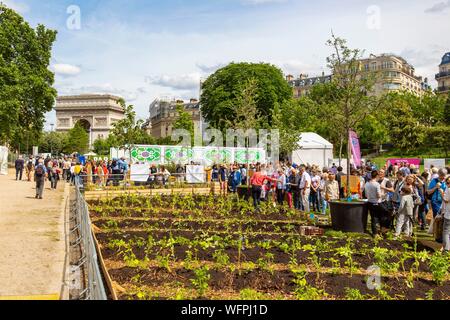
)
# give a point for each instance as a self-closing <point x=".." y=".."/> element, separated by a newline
<point x="405" y="213"/>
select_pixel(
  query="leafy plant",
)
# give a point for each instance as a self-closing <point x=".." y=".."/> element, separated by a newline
<point x="222" y="259"/>
<point x="303" y="291"/>
<point x="201" y="280"/>
<point x="439" y="266"/>
<point x="251" y="295"/>
<point x="354" y="294"/>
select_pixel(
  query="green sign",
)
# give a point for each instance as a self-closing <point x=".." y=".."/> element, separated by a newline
<point x="146" y="154"/>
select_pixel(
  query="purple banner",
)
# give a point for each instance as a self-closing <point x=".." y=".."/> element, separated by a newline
<point x="356" y="149"/>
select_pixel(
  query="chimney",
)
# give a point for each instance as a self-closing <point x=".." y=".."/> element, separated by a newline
<point x="289" y="77"/>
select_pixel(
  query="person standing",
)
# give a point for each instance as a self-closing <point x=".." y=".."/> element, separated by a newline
<point x="405" y="213"/>
<point x="40" y="174"/>
<point x="373" y="194"/>
<point x="331" y="188"/>
<point x="223" y="180"/>
<point x="434" y="190"/>
<point x="315" y="191"/>
<point x="29" y="168"/>
<point x="305" y="188"/>
<point x="281" y="186"/>
<point x="257" y="182"/>
<point x="446" y="232"/>
<point x="19" y="165"/>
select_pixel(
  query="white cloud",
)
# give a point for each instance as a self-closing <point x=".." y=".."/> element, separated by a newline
<point x="105" y="88"/>
<point x="178" y="82"/>
<point x="65" y="70"/>
<point x="439" y="7"/>
<point x="258" y="2"/>
<point x="17" y="6"/>
<point x="209" y="69"/>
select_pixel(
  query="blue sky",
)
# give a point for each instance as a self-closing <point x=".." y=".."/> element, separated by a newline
<point x="142" y="50"/>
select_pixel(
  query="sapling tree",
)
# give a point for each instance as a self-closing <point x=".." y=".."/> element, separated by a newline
<point x="348" y="100"/>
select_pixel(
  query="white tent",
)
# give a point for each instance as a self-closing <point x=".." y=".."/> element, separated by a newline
<point x="313" y="150"/>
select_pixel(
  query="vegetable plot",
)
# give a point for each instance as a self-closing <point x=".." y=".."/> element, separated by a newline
<point x="206" y="247"/>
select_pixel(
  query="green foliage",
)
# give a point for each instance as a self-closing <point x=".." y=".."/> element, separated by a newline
<point x="354" y="294"/>
<point x="286" y="119"/>
<point x="77" y="140"/>
<point x="223" y="89"/>
<point x="439" y="266"/>
<point x="26" y="92"/>
<point x="251" y="295"/>
<point x="201" y="280"/>
<point x="102" y="147"/>
<point x="184" y="121"/>
<point x="303" y="291"/>
<point x="53" y="142"/>
<point x="446" y="113"/>
<point x="128" y="131"/>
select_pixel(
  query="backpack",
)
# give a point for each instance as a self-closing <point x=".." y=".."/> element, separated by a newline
<point x="39" y="171"/>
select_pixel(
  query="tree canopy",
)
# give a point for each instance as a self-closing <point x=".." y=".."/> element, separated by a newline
<point x="26" y="92"/>
<point x="222" y="91"/>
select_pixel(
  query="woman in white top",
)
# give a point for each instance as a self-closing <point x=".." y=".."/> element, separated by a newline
<point x="446" y="233"/>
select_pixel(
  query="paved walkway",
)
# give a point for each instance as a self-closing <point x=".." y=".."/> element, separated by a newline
<point x="32" y="239"/>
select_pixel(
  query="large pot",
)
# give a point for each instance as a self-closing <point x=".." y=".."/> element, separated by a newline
<point x="244" y="192"/>
<point x="349" y="216"/>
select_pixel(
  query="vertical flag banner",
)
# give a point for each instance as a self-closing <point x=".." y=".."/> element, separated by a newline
<point x="356" y="148"/>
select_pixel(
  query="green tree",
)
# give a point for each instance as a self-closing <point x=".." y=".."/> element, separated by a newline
<point x="286" y="120"/>
<point x="245" y="108"/>
<point x="222" y="89"/>
<point x="184" y="121"/>
<point x="103" y="147"/>
<point x="129" y="131"/>
<point x="53" y="142"/>
<point x="77" y="140"/>
<point x="446" y="116"/>
<point x="26" y="91"/>
<point x="404" y="129"/>
<point x="348" y="100"/>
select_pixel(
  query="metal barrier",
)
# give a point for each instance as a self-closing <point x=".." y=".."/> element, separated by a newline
<point x="94" y="287"/>
<point x="143" y="180"/>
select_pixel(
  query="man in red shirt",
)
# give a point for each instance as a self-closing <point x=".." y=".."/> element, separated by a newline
<point x="257" y="182"/>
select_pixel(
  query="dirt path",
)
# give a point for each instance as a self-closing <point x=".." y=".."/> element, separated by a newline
<point x="32" y="239"/>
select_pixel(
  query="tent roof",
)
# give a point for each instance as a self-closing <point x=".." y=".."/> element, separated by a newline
<point x="311" y="140"/>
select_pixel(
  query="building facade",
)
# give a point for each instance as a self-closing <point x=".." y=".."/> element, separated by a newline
<point x="163" y="114"/>
<point x="303" y="84"/>
<point x="443" y="77"/>
<point x="393" y="74"/>
<point x="94" y="112"/>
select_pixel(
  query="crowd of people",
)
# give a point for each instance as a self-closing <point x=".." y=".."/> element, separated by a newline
<point x="395" y="193"/>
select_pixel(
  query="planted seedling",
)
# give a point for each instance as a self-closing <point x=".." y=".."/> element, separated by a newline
<point x="354" y="294"/>
<point x="201" y="280"/>
<point x="439" y="266"/>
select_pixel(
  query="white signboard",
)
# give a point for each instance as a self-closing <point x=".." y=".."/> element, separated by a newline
<point x="140" y="172"/>
<point x="437" y="163"/>
<point x="3" y="160"/>
<point x="35" y="151"/>
<point x="195" y="174"/>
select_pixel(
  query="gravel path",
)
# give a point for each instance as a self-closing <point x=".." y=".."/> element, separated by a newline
<point x="32" y="239"/>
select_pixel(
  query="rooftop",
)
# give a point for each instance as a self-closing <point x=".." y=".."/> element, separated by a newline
<point x="89" y="96"/>
<point x="445" y="59"/>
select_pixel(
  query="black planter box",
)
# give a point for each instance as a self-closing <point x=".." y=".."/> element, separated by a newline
<point x="349" y="216"/>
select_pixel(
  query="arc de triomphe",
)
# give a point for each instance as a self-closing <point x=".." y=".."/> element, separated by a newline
<point x="96" y="113"/>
